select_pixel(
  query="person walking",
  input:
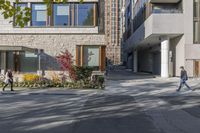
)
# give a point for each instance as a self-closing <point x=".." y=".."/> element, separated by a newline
<point x="8" y="80"/>
<point x="183" y="79"/>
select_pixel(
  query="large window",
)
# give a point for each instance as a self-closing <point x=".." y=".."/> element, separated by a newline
<point x="28" y="62"/>
<point x="71" y="14"/>
<point x="61" y="13"/>
<point x="93" y="56"/>
<point x="39" y="15"/>
<point x="22" y="61"/>
<point x="65" y="15"/>
<point x="84" y="14"/>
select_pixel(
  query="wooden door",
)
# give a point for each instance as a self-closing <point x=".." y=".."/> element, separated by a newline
<point x="102" y="60"/>
<point x="197" y="68"/>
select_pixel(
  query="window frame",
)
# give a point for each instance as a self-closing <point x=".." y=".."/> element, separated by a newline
<point x="196" y="19"/>
<point x="102" y="56"/>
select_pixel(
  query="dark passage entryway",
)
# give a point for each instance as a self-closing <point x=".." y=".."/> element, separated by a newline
<point x="157" y="63"/>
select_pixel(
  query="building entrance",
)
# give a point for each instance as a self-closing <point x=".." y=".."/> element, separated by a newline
<point x="157" y="63"/>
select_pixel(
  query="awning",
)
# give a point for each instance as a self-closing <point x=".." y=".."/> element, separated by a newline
<point x="18" y="48"/>
<point x="164" y="1"/>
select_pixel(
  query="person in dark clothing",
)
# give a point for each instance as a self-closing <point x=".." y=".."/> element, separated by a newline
<point x="8" y="80"/>
<point x="184" y="78"/>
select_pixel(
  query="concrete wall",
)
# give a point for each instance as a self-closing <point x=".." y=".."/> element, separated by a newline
<point x="177" y="45"/>
<point x="192" y="51"/>
<point x="167" y="24"/>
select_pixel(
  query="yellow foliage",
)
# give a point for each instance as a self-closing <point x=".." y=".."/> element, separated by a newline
<point x="31" y="77"/>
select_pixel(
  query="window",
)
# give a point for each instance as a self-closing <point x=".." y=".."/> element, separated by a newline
<point x="71" y="14"/>
<point x="91" y="56"/>
<point x="168" y="8"/>
<point x="84" y="14"/>
<point x="196" y="25"/>
<point x="28" y="62"/>
<point x="10" y="60"/>
<point x="20" y="61"/>
<point x="61" y="14"/>
<point x="39" y="15"/>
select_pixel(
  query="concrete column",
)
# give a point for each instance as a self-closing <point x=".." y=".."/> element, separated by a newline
<point x="135" y="59"/>
<point x="3" y="62"/>
<point x="165" y="57"/>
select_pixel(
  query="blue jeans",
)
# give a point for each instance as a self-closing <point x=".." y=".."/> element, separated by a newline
<point x="182" y="83"/>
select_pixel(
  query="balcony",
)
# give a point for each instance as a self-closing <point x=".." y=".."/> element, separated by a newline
<point x="148" y="9"/>
<point x="154" y="27"/>
<point x="166" y="24"/>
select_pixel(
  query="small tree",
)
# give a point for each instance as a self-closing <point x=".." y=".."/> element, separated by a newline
<point x="65" y="59"/>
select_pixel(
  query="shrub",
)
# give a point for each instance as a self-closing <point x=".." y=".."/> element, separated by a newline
<point x="83" y="73"/>
<point x="100" y="81"/>
<point x="65" y="59"/>
<point x="31" y="77"/>
<point x="55" y="78"/>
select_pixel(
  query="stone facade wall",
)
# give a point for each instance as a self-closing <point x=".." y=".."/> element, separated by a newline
<point x="113" y="51"/>
<point x="52" y="44"/>
<point x="52" y="40"/>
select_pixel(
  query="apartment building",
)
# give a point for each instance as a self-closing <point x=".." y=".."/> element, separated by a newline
<point x="164" y="35"/>
<point x="76" y="27"/>
<point x="112" y="33"/>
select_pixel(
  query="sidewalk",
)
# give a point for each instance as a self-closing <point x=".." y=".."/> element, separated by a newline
<point x="116" y="80"/>
<point x="49" y="91"/>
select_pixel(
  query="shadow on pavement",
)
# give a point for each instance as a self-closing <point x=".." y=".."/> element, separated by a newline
<point x="72" y="114"/>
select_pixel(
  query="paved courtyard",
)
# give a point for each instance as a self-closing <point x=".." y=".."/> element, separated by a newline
<point x="131" y="103"/>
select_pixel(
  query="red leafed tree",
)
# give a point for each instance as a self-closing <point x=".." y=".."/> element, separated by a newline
<point x="65" y="59"/>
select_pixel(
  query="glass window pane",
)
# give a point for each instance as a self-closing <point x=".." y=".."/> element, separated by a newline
<point x="91" y="56"/>
<point x="28" y="62"/>
<point x="195" y="9"/>
<point x="10" y="60"/>
<point x="196" y="32"/>
<point x="61" y="14"/>
<point x="85" y="14"/>
<point x="39" y="15"/>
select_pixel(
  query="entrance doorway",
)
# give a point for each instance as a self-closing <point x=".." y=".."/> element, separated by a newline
<point x="157" y="63"/>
